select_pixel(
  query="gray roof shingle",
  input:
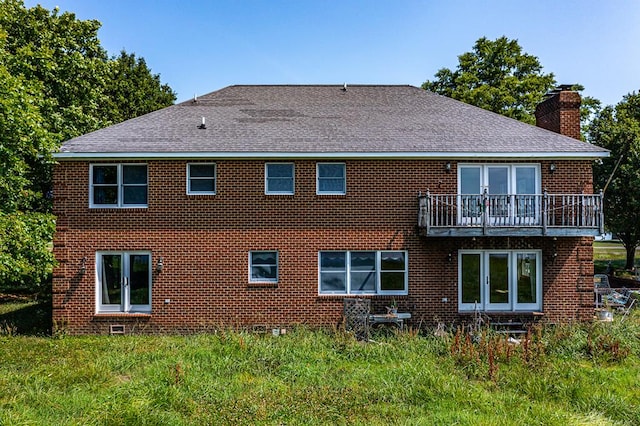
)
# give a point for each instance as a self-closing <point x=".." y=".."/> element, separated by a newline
<point x="322" y="120"/>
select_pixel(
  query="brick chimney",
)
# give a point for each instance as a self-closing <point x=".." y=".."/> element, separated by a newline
<point x="560" y="112"/>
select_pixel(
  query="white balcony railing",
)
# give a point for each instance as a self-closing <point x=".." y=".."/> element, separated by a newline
<point x="577" y="214"/>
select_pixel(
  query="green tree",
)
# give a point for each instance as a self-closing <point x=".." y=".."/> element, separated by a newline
<point x="25" y="147"/>
<point x="132" y="90"/>
<point x="64" y="54"/>
<point x="497" y="76"/>
<point x="617" y="128"/>
<point x="56" y="82"/>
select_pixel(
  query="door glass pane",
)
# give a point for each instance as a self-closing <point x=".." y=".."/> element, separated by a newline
<point x="363" y="271"/>
<point x="498" y="189"/>
<point x="525" y="180"/>
<point x="525" y="188"/>
<point x="499" y="278"/>
<point x="139" y="279"/>
<point x="111" y="279"/>
<point x="471" y="205"/>
<point x="470" y="180"/>
<point x="498" y="180"/>
<point x="527" y="276"/>
<point x="471" y="278"/>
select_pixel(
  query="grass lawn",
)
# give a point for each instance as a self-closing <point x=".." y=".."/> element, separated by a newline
<point x="609" y="251"/>
<point x="585" y="374"/>
<point x="569" y="375"/>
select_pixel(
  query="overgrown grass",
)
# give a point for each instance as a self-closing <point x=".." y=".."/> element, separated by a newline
<point x="578" y="374"/>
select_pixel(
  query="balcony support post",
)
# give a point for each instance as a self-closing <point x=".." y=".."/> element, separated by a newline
<point x="601" y="213"/>
<point x="545" y="211"/>
<point x="485" y="211"/>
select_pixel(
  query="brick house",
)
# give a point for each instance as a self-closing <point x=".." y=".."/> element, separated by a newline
<point x="268" y="205"/>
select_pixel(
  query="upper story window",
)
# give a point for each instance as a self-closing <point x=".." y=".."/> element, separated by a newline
<point x="201" y="179"/>
<point x="279" y="178"/>
<point x="118" y="185"/>
<point x="363" y="272"/>
<point x="331" y="178"/>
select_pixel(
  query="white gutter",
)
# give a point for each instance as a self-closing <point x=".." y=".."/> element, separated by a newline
<point x="326" y="155"/>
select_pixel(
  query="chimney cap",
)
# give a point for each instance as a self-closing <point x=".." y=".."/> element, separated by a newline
<point x="560" y="88"/>
<point x="565" y="87"/>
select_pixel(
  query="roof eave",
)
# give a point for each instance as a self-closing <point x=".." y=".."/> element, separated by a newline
<point x="326" y="155"/>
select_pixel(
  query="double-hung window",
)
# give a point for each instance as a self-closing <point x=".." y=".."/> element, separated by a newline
<point x="363" y="272"/>
<point x="331" y="179"/>
<point x="118" y="185"/>
<point x="279" y="178"/>
<point x="201" y="179"/>
<point x="263" y="266"/>
<point x="123" y="281"/>
<point x="500" y="280"/>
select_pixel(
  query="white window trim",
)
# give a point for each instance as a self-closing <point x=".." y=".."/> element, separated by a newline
<point x="264" y="280"/>
<point x="125" y="306"/>
<point x="266" y="180"/>
<point x="378" y="291"/>
<point x="214" y="178"/>
<point x="119" y="183"/>
<point x="344" y="178"/>
<point x="513" y="305"/>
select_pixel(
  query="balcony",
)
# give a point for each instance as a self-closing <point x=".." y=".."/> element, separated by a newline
<point x="556" y="215"/>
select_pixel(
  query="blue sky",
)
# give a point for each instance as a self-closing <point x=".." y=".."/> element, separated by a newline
<point x="201" y="46"/>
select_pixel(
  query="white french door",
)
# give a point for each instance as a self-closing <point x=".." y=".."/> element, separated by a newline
<point x="123" y="281"/>
<point x="505" y="194"/>
<point x="497" y="280"/>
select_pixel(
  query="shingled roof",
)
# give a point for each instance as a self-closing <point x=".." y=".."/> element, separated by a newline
<point x="363" y="121"/>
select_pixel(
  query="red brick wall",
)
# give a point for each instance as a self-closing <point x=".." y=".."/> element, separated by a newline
<point x="561" y="114"/>
<point x="205" y="240"/>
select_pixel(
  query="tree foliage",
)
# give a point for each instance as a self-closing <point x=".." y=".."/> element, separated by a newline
<point x="617" y="128"/>
<point x="133" y="90"/>
<point x="25" y="145"/>
<point x="56" y="82"/>
<point x="497" y="76"/>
